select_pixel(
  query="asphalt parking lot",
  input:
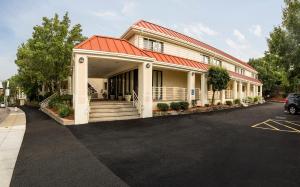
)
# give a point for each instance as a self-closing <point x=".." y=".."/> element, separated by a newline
<point x="222" y="148"/>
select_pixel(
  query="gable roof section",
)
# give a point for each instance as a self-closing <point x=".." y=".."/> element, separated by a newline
<point x="109" y="44"/>
<point x="163" y="30"/>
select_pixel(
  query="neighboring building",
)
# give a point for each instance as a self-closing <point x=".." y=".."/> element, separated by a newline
<point x="1" y="88"/>
<point x="155" y="64"/>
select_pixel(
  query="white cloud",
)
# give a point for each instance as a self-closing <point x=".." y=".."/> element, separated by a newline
<point x="105" y="14"/>
<point x="242" y="50"/>
<point x="239" y="35"/>
<point x="198" y="30"/>
<point x="256" y="30"/>
<point x="128" y="7"/>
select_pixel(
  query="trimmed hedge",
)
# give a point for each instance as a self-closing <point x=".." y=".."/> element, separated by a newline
<point x="237" y="101"/>
<point x="163" y="106"/>
<point x="229" y="103"/>
<point x="175" y="106"/>
<point x="184" y="105"/>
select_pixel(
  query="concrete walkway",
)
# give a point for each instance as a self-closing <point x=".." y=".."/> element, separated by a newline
<point x="12" y="130"/>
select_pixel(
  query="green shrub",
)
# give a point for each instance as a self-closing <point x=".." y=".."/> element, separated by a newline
<point x="219" y="103"/>
<point x="250" y="99"/>
<point x="206" y="105"/>
<point x="54" y="101"/>
<point x="163" y="106"/>
<point x="64" y="110"/>
<point x="255" y="99"/>
<point x="184" y="105"/>
<point x="1" y="98"/>
<point x="175" y="106"/>
<point x="229" y="103"/>
<point x="237" y="101"/>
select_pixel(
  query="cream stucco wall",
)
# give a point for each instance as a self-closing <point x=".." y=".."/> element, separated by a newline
<point x="173" y="49"/>
<point x="98" y="84"/>
<point x="174" y="78"/>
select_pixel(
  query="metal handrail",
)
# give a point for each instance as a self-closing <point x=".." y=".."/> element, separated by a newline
<point x="45" y="102"/>
<point x="136" y="102"/>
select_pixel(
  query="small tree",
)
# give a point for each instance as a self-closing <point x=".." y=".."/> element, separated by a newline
<point x="218" y="77"/>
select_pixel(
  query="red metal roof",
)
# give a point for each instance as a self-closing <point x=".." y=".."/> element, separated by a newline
<point x="109" y="44"/>
<point x="176" y="60"/>
<point x="237" y="75"/>
<point x="158" y="28"/>
<point x="161" y="57"/>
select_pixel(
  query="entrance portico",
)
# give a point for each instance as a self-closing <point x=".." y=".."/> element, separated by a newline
<point x="95" y="63"/>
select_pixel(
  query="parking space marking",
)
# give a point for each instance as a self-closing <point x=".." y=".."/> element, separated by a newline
<point x="286" y="126"/>
<point x="279" y="123"/>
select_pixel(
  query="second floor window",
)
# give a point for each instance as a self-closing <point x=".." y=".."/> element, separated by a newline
<point x="153" y="45"/>
<point x="206" y="59"/>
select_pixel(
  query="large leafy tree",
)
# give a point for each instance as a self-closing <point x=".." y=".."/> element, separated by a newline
<point x="280" y="67"/>
<point x="218" y="78"/>
<point x="46" y="57"/>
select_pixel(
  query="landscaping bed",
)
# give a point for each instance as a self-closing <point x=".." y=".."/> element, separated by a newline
<point x="177" y="109"/>
<point x="60" y="109"/>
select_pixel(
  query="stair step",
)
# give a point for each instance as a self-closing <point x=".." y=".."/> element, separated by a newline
<point x="110" y="103"/>
<point x="115" y="110"/>
<point x="112" y="114"/>
<point x="110" y="106"/>
<point x="113" y="118"/>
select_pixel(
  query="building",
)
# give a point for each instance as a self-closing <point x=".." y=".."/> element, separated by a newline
<point x="154" y="64"/>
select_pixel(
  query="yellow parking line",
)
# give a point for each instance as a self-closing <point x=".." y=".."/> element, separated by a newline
<point x="256" y="124"/>
<point x="286" y="126"/>
<point x="270" y="125"/>
<point x="292" y="123"/>
<point x="275" y="129"/>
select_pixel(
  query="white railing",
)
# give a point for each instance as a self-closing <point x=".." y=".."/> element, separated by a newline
<point x="136" y="102"/>
<point x="197" y="94"/>
<point x="228" y="94"/>
<point x="217" y="95"/>
<point x="169" y="94"/>
<point x="45" y="102"/>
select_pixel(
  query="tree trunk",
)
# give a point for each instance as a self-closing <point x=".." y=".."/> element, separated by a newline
<point x="213" y="98"/>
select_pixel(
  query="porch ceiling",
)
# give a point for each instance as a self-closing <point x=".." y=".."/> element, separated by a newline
<point x="102" y="68"/>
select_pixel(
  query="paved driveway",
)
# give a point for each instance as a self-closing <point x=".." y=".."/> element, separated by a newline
<point x="212" y="149"/>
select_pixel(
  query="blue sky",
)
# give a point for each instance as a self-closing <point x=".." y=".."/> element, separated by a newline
<point x="237" y="27"/>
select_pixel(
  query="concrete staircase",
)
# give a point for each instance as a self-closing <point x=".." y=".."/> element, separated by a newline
<point x="112" y="110"/>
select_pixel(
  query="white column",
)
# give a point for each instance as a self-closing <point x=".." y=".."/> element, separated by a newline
<point x="254" y="90"/>
<point x="223" y="96"/>
<point x="145" y="88"/>
<point x="240" y="90"/>
<point x="80" y="91"/>
<point x="190" y="87"/>
<point x="234" y="93"/>
<point x="248" y="89"/>
<point x="203" y="93"/>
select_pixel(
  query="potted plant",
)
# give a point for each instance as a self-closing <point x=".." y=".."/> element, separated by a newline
<point x="104" y="95"/>
<point x="128" y="96"/>
<point x="120" y="97"/>
<point x="112" y="97"/>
